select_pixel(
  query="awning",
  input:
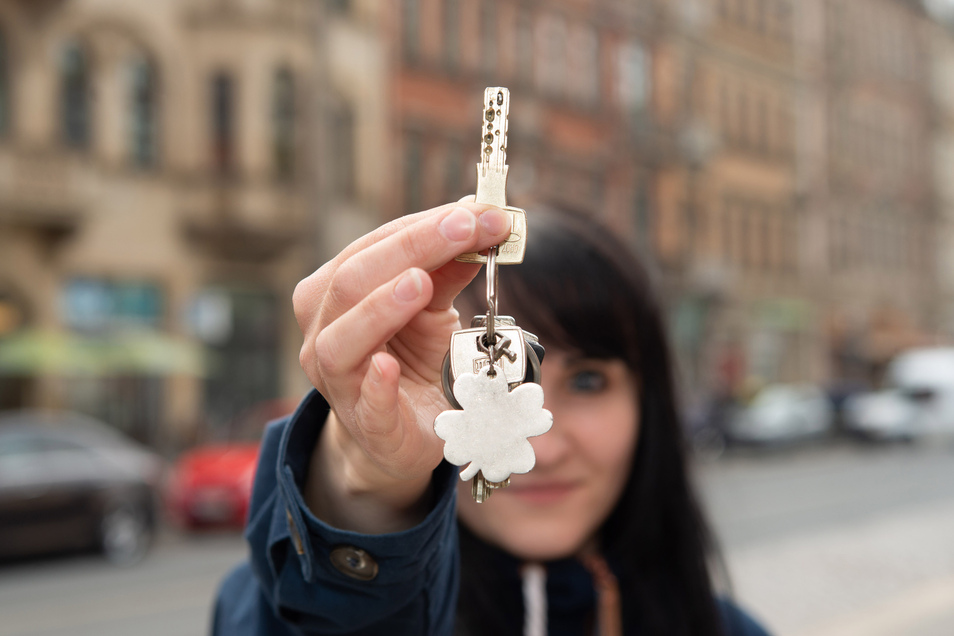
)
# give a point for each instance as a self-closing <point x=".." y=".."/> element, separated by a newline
<point x="129" y="352"/>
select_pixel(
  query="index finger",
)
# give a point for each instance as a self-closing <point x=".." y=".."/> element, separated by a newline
<point x="430" y="243"/>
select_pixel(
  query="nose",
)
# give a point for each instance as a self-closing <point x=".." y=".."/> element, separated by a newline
<point x="553" y="447"/>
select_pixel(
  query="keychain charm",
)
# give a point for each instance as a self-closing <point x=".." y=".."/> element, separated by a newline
<point x="491" y="372"/>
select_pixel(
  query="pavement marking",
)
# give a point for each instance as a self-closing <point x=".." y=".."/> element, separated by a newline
<point x="895" y="616"/>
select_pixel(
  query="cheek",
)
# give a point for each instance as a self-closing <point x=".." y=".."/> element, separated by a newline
<point x="607" y="438"/>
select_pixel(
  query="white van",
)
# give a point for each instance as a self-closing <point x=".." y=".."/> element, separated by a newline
<point x="918" y="398"/>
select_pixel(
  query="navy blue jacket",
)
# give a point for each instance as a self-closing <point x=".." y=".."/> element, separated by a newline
<point x="292" y="585"/>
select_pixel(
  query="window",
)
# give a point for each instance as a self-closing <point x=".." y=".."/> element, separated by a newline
<point x="633" y="79"/>
<point x="550" y="44"/>
<point x="643" y="220"/>
<point x="451" y="35"/>
<point x="340" y="6"/>
<point x="410" y="29"/>
<point x="524" y="46"/>
<point x="143" y="113"/>
<point x="725" y="112"/>
<point x="74" y="97"/>
<point x="584" y="64"/>
<point x="343" y="149"/>
<point x="762" y="125"/>
<point x="488" y="32"/>
<point x="4" y="86"/>
<point x="454" y="172"/>
<point x="743" y="121"/>
<point x="413" y="160"/>
<point x="760" y="16"/>
<point x="223" y="122"/>
<point x="283" y="123"/>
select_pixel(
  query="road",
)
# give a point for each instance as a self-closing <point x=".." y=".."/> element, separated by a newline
<point x="170" y="593"/>
<point x="834" y="540"/>
<point x="842" y="540"/>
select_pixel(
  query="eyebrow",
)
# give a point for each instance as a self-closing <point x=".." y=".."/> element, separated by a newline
<point x="583" y="359"/>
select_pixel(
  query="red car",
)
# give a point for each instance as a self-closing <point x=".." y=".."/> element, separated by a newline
<point x="211" y="485"/>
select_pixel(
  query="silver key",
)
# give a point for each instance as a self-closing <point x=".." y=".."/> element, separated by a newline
<point x="490" y="434"/>
<point x="486" y="366"/>
<point x="492" y="177"/>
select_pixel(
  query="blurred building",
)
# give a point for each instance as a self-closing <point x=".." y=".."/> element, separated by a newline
<point x="771" y="158"/>
<point x="406" y="79"/>
<point x="169" y="170"/>
<point x="153" y="208"/>
<point x="741" y="306"/>
<point x="942" y="85"/>
<point x="868" y="180"/>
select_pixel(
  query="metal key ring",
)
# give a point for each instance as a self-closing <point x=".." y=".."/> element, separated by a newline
<point x="491" y="298"/>
<point x="534" y="374"/>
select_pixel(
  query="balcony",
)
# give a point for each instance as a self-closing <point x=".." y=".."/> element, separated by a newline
<point x="45" y="191"/>
<point x="243" y="220"/>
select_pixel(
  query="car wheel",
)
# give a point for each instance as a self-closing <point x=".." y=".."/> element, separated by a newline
<point x="125" y="534"/>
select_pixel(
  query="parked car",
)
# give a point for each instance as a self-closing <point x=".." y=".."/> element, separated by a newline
<point x="782" y="413"/>
<point x="211" y="484"/>
<point x="917" y="398"/>
<point x="68" y="482"/>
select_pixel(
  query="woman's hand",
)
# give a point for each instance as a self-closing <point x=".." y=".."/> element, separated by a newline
<point x="377" y="320"/>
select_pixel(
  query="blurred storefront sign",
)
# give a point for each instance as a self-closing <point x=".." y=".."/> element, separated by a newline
<point x="92" y="305"/>
<point x="209" y="316"/>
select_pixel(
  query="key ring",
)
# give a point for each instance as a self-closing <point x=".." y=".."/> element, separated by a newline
<point x="492" y="302"/>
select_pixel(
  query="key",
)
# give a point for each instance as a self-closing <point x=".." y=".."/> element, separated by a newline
<point x="466" y="354"/>
<point x="492" y="177"/>
<point x="491" y="372"/>
<point x="490" y="435"/>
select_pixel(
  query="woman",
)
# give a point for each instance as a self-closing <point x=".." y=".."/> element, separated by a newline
<point x="352" y="525"/>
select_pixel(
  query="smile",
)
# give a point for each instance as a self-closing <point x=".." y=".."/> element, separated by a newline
<point x="541" y="494"/>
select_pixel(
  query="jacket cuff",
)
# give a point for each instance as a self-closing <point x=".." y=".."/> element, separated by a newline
<point x="396" y="558"/>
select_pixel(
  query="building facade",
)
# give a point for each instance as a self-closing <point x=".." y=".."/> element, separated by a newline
<point x="169" y="171"/>
<point x="153" y="206"/>
<point x="769" y="157"/>
<point x="878" y="286"/>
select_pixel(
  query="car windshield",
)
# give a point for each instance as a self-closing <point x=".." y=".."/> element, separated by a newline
<point x="927" y="368"/>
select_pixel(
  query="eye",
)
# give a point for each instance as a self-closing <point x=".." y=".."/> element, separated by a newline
<point x="588" y="381"/>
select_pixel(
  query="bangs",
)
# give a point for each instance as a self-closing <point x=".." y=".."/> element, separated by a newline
<point x="578" y="289"/>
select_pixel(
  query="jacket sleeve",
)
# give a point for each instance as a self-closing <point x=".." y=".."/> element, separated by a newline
<point x="306" y="578"/>
<point x="736" y="622"/>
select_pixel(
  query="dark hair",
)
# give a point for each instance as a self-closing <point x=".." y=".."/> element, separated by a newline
<point x="580" y="288"/>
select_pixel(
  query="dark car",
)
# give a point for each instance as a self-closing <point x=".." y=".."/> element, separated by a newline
<point x="69" y="482"/>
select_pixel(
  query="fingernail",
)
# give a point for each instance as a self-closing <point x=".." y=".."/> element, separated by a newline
<point x="494" y="221"/>
<point x="409" y="287"/>
<point x="375" y="374"/>
<point x="459" y="225"/>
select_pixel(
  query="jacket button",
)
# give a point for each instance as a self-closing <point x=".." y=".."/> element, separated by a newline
<point x="354" y="562"/>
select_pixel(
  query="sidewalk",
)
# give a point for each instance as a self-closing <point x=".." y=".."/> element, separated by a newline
<point x="887" y="576"/>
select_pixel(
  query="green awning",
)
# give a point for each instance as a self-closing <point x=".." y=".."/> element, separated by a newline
<point x="132" y="352"/>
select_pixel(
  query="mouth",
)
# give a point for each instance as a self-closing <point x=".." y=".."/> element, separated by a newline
<point x="542" y="493"/>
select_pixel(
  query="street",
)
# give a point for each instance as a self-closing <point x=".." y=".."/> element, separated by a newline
<point x="842" y="540"/>
<point x="828" y="540"/>
<point x="170" y="593"/>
